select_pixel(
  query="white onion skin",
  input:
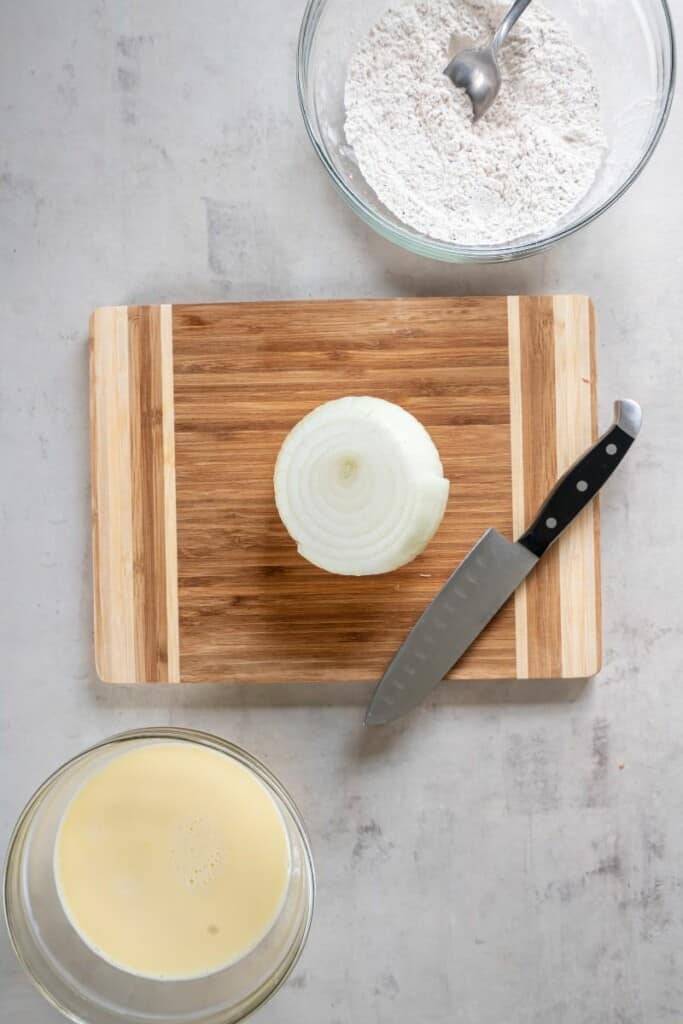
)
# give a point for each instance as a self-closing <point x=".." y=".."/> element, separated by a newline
<point x="359" y="486"/>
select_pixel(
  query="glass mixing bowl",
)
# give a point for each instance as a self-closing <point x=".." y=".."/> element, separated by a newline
<point x="90" y="990"/>
<point x="630" y="43"/>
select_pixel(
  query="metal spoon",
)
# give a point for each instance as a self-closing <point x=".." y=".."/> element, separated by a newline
<point x="477" y="71"/>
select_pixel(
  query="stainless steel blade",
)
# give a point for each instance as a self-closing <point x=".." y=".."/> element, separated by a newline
<point x="478" y="588"/>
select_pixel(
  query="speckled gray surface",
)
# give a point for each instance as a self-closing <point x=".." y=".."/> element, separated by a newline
<point x="513" y="854"/>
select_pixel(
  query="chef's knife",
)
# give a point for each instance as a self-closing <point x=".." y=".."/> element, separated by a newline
<point x="490" y="573"/>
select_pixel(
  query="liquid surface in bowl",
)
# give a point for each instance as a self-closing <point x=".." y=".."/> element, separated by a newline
<point x="172" y="861"/>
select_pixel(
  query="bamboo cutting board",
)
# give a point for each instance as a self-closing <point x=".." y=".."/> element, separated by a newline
<point x="195" y="577"/>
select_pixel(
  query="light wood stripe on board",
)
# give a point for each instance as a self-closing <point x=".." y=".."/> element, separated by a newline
<point x="169" y="495"/>
<point x="553" y="420"/>
<point x="575" y="431"/>
<point x="114" y="606"/>
<point x="136" y="609"/>
<point x="517" y="476"/>
<point x="597" y="567"/>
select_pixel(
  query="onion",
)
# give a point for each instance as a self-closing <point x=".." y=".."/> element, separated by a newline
<point x="359" y="486"/>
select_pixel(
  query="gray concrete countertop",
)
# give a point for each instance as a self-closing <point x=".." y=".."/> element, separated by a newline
<point x="513" y="854"/>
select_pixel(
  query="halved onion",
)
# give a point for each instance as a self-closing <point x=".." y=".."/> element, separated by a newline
<point x="359" y="486"/>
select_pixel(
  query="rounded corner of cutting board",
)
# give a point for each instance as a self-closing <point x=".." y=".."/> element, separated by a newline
<point x="109" y="677"/>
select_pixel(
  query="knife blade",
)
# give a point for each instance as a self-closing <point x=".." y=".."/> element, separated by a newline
<point x="490" y="574"/>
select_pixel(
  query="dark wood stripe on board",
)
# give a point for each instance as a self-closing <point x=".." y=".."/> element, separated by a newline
<point x="150" y="512"/>
<point x="537" y="362"/>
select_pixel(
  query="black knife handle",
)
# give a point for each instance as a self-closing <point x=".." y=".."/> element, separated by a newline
<point x="583" y="480"/>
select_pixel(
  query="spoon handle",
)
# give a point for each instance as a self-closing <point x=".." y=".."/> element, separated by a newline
<point x="508" y="22"/>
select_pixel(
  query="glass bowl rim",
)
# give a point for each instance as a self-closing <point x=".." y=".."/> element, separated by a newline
<point x="451" y="251"/>
<point x="262" y="995"/>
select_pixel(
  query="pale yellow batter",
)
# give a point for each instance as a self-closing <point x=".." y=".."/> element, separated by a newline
<point x="172" y="860"/>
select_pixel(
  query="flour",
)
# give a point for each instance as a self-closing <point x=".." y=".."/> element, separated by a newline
<point x="520" y="169"/>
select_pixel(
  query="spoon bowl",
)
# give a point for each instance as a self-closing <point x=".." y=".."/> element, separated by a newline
<point x="476" y="70"/>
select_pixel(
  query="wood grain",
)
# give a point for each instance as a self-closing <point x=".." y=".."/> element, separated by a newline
<point x="136" y="620"/>
<point x="576" y="427"/>
<point x="481" y="374"/>
<point x="539" y="431"/>
<point x="111" y="473"/>
<point x="519" y="518"/>
<point x="553" y="397"/>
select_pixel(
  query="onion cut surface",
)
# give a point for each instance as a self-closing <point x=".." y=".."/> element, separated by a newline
<point x="359" y="486"/>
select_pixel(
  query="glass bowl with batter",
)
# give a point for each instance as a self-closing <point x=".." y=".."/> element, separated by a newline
<point x="212" y="909"/>
<point x="630" y="45"/>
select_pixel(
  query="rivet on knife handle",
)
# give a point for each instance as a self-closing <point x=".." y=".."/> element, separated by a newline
<point x="583" y="480"/>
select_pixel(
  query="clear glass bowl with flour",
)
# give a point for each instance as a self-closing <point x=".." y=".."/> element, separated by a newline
<point x="586" y="91"/>
<point x="162" y="875"/>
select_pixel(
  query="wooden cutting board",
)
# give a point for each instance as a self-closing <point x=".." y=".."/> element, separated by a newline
<point x="195" y="577"/>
